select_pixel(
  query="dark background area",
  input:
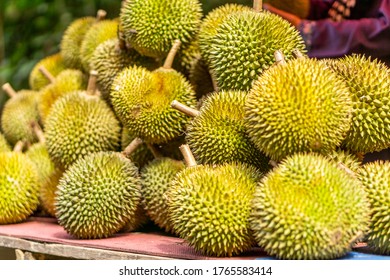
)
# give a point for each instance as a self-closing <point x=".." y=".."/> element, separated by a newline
<point x="32" y="29"/>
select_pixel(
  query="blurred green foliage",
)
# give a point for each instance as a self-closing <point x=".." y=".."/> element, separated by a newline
<point x="32" y="29"/>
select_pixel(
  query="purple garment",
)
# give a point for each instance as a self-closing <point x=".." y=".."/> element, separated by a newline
<point x="368" y="32"/>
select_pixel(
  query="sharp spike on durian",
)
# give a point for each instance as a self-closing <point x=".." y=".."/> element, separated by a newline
<point x="46" y="73"/>
<point x="188" y="156"/>
<point x="9" y="90"/>
<point x="184" y="109"/>
<point x="171" y="55"/>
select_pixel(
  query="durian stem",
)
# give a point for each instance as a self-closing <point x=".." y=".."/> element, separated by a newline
<point x="91" y="89"/>
<point x="9" y="90"/>
<point x="279" y="58"/>
<point x="184" y="109"/>
<point x="297" y="53"/>
<point x="121" y="44"/>
<point x="188" y="156"/>
<point x="47" y="74"/>
<point x="171" y="55"/>
<point x="19" y="146"/>
<point x="132" y="147"/>
<point x="38" y="131"/>
<point x="360" y="156"/>
<point x="258" y="5"/>
<point x="156" y="153"/>
<point x="214" y="81"/>
<point x="100" y="15"/>
<point x="346" y="169"/>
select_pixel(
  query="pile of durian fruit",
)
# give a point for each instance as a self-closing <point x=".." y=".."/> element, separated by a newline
<point x="218" y="129"/>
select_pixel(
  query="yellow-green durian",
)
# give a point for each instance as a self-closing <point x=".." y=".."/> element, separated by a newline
<point x="308" y="208"/>
<point x="298" y="107"/>
<point x="151" y="27"/>
<point x="79" y="124"/>
<point x="218" y="133"/>
<point x="43" y="164"/>
<point x="53" y="63"/>
<point x="4" y="146"/>
<point x="98" y="195"/>
<point x="157" y="177"/>
<point x="18" y="187"/>
<point x="72" y="39"/>
<point x="67" y="81"/>
<point x="369" y="83"/>
<point x="244" y="47"/>
<point x="375" y="177"/>
<point x="109" y="59"/>
<point x="18" y="114"/>
<point x="300" y="8"/>
<point x="210" y="207"/>
<point x="98" y="33"/>
<point x="141" y="100"/>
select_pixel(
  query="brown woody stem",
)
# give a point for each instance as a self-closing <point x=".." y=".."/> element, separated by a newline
<point x="156" y="153"/>
<point x="38" y="131"/>
<point x="184" y="109"/>
<point x="91" y="89"/>
<point x="297" y="54"/>
<point x="346" y="169"/>
<point x="100" y="15"/>
<point x="258" y="5"/>
<point x="132" y="147"/>
<point x="19" y="146"/>
<point x="214" y="80"/>
<point x="171" y="55"/>
<point x="273" y="163"/>
<point x="188" y="156"/>
<point x="9" y="90"/>
<point x="47" y="74"/>
<point x="279" y="58"/>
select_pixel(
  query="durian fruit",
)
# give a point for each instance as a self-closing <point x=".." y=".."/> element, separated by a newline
<point x="73" y="37"/>
<point x="210" y="24"/>
<point x="210" y="206"/>
<point x="244" y="45"/>
<point x="18" y="186"/>
<point x="349" y="160"/>
<point x="78" y="124"/>
<point x="48" y="191"/>
<point x="53" y="63"/>
<point x="300" y="106"/>
<point x="98" y="33"/>
<point x="18" y="113"/>
<point x="217" y="133"/>
<point x="67" y="81"/>
<point x="308" y="208"/>
<point x="112" y="56"/>
<point x="301" y="8"/>
<point x="369" y="83"/>
<point x="375" y="177"/>
<point x="98" y="195"/>
<point x="186" y="56"/>
<point x="4" y="146"/>
<point x="151" y="27"/>
<point x="141" y="100"/>
<point x="156" y="179"/>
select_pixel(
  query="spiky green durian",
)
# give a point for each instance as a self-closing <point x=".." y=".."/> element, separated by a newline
<point x="39" y="156"/>
<point x="298" y="107"/>
<point x="4" y="146"/>
<point x="72" y="39"/>
<point x="369" y="83"/>
<point x="67" y="81"/>
<point x="109" y="59"/>
<point x="218" y="133"/>
<point x="18" y="187"/>
<point x="98" y="195"/>
<point x="53" y="63"/>
<point x="351" y="161"/>
<point x="151" y="27"/>
<point x="47" y="192"/>
<point x="141" y="99"/>
<point x="156" y="180"/>
<point x="186" y="56"/>
<point x="79" y="124"/>
<point x="301" y="8"/>
<point x="98" y="33"/>
<point x="375" y="177"/>
<point x="210" y="24"/>
<point x="210" y="207"/>
<point x="244" y="47"/>
<point x="308" y="208"/>
<point x="18" y="114"/>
